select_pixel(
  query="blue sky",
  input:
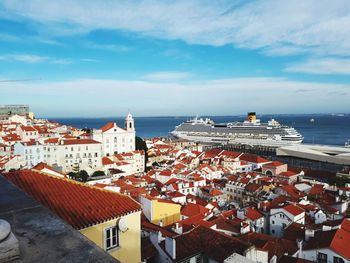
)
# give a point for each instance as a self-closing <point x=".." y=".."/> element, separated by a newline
<point x="154" y="58"/>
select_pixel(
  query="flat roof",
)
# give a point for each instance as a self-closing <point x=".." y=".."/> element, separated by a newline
<point x="42" y="236"/>
<point x="323" y="153"/>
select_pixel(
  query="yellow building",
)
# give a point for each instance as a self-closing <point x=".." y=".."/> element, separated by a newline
<point x="160" y="211"/>
<point x="111" y="220"/>
<point x="127" y="245"/>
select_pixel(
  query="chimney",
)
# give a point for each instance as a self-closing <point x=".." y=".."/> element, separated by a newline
<point x="170" y="247"/>
<point x="178" y="229"/>
<point x="309" y="233"/>
<point x="300" y="247"/>
<point x="273" y="259"/>
<point x="241" y="214"/>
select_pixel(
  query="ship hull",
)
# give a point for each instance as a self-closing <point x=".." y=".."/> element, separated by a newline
<point x="245" y="141"/>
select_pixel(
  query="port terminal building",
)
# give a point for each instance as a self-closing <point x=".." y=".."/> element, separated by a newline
<point x="322" y="153"/>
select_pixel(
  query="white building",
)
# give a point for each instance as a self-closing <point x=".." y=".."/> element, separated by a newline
<point x="32" y="152"/>
<point x="281" y="218"/>
<point x="27" y="133"/>
<point x="19" y="119"/>
<point x="73" y="154"/>
<point x="115" y="139"/>
<point x="80" y="154"/>
<point x="328" y="246"/>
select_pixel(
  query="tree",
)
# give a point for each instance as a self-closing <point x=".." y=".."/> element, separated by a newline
<point x="141" y="145"/>
<point x="98" y="173"/>
<point x="83" y="176"/>
<point x="72" y="175"/>
<point x="86" y="130"/>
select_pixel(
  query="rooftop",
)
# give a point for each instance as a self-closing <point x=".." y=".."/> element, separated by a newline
<point x="78" y="204"/>
<point x="39" y="231"/>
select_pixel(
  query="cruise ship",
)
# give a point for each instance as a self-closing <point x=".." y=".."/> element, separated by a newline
<point x="250" y="132"/>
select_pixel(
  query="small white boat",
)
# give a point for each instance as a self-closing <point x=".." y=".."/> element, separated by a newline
<point x="312" y="120"/>
<point x="347" y="144"/>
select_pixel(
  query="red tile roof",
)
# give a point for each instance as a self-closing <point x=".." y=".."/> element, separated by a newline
<point x="273" y="164"/>
<point x="287" y="174"/>
<point x="106" y="161"/>
<point x="253" y="214"/>
<point x="252" y="158"/>
<point x="28" y="129"/>
<point x="108" y="126"/>
<point x="11" y="137"/>
<point x="80" y="141"/>
<point x="41" y="166"/>
<point x="215" y="245"/>
<point x="165" y="173"/>
<point x="51" y="140"/>
<point x="194" y="209"/>
<point x="78" y="204"/>
<point x="273" y="245"/>
<point x="293" y="209"/>
<point x="336" y="240"/>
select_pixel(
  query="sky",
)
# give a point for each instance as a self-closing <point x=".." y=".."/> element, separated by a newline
<point x="77" y="58"/>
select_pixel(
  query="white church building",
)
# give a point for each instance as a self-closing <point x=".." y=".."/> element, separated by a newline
<point x="115" y="139"/>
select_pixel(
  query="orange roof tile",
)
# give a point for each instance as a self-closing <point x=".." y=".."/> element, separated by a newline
<point x="107" y="161"/>
<point x="107" y="127"/>
<point x="293" y="209"/>
<point x="80" y="141"/>
<point x="78" y="204"/>
<point x="273" y="164"/>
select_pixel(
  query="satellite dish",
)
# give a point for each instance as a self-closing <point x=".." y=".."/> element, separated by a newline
<point x="122" y="225"/>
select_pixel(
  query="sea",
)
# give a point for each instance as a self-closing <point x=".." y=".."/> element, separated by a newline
<point x="329" y="129"/>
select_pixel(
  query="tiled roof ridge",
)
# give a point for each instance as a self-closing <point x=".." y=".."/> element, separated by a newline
<point x="82" y="225"/>
<point x="89" y="186"/>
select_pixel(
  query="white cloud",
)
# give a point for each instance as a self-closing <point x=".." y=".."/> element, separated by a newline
<point x="109" y="47"/>
<point x="26" y="58"/>
<point x="325" y="66"/>
<point x="275" y="26"/>
<point x="89" y="60"/>
<point x="35" y="59"/>
<point x="168" y="75"/>
<point x="106" y="97"/>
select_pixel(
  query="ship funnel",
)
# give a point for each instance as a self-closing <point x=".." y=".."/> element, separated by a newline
<point x="251" y="116"/>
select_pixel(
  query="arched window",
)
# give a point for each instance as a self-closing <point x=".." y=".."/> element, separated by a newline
<point x="268" y="172"/>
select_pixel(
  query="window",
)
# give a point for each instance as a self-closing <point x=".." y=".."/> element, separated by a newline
<point x="273" y="222"/>
<point x="321" y="257"/>
<point x="111" y="238"/>
<point x="338" y="260"/>
<point x="273" y="231"/>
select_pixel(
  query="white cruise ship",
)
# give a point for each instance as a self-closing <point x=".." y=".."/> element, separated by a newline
<point x="250" y="132"/>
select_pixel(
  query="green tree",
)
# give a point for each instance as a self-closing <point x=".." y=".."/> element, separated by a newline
<point x="98" y="173"/>
<point x="83" y="176"/>
<point x="140" y="144"/>
<point x="72" y="175"/>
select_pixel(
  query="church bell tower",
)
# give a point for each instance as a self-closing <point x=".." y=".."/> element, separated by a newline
<point x="129" y="123"/>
